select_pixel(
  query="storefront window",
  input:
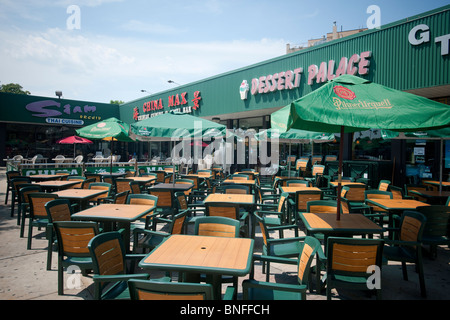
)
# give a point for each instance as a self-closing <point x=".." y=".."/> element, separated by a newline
<point x="369" y="145"/>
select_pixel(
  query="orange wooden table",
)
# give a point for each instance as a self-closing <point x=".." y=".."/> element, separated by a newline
<point x="395" y="206"/>
<point x="124" y="214"/>
<point x="214" y="256"/>
<point x="348" y="225"/>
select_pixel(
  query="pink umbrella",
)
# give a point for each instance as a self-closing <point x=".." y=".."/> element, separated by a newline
<point x="74" y="140"/>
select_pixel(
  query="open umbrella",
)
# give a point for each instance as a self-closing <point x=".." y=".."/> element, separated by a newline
<point x="172" y="126"/>
<point x="349" y="104"/>
<point x="74" y="140"/>
<point x="111" y="129"/>
<point x="175" y="125"/>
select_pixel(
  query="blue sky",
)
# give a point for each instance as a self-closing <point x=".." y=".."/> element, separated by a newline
<point x="123" y="46"/>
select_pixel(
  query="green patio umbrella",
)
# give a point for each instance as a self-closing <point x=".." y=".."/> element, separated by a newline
<point x="175" y="126"/>
<point x="349" y="104"/>
<point x="111" y="129"/>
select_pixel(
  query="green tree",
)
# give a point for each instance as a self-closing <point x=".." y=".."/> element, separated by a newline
<point x="13" y="88"/>
<point x="116" y="102"/>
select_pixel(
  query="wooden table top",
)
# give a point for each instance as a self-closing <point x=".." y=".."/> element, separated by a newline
<point x="141" y="179"/>
<point x="239" y="181"/>
<point x="176" y="186"/>
<point x="295" y="189"/>
<point x="397" y="204"/>
<point x="79" y="193"/>
<point x="107" y="212"/>
<point x="436" y="183"/>
<point x="202" y="254"/>
<point x="431" y="193"/>
<point x="323" y="222"/>
<point x="41" y="177"/>
<point x="335" y="183"/>
<point x="230" y="197"/>
<point x="57" y="183"/>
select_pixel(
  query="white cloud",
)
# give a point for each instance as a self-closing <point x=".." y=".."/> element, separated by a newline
<point x="101" y="68"/>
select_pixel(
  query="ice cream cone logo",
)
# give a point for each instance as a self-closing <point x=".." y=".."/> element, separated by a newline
<point x="243" y="89"/>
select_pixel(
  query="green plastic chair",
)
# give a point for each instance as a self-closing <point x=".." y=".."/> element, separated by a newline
<point x="408" y="247"/>
<point x="57" y="210"/>
<point x="436" y="230"/>
<point x="152" y="290"/>
<point x="293" y="183"/>
<point x="100" y="186"/>
<point x="229" y="210"/>
<point x="73" y="238"/>
<point x="259" y="290"/>
<point x="110" y="266"/>
<point x="348" y="260"/>
<point x="9" y="188"/>
<point x="235" y="188"/>
<point x="275" y="215"/>
<point x="24" y="207"/>
<point x="147" y="238"/>
<point x="285" y="247"/>
<point x="217" y="227"/>
<point x="38" y="214"/>
<point x="17" y="183"/>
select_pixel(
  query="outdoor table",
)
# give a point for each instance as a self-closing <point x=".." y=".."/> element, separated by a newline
<point x="123" y="214"/>
<point x="292" y="190"/>
<point x="348" y="225"/>
<point x="213" y="256"/>
<point x="172" y="186"/>
<point x="141" y="180"/>
<point x="445" y="184"/>
<point x="80" y="195"/>
<point x="46" y="177"/>
<point x="52" y="185"/>
<point x="432" y="196"/>
<point x="335" y="183"/>
<point x="393" y="206"/>
<point x="112" y="174"/>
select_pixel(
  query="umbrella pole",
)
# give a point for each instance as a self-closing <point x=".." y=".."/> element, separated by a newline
<point x="341" y="152"/>
<point x="110" y="158"/>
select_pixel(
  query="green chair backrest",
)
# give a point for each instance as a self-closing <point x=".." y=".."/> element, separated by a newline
<point x="152" y="290"/>
<point x="217" y="226"/>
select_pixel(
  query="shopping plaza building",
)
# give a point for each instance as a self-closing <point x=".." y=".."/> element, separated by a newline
<point x="411" y="55"/>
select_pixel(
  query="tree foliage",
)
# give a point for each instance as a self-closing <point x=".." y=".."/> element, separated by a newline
<point x="13" y="88"/>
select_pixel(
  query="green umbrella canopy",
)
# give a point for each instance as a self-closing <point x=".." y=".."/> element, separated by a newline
<point x="109" y="128"/>
<point x="359" y="104"/>
<point x="294" y="136"/>
<point x="428" y="134"/>
<point x="349" y="104"/>
<point x="175" y="125"/>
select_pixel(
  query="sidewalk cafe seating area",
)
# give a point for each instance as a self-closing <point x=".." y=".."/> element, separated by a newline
<point x="201" y="230"/>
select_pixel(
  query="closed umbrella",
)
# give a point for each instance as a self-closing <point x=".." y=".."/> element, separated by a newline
<point x="111" y="129"/>
<point x="349" y="104"/>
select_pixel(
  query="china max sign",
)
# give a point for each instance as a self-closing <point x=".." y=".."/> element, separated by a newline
<point x="177" y="102"/>
<point x="327" y="70"/>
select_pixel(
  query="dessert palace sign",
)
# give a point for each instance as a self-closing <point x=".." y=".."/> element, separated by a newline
<point x="357" y="64"/>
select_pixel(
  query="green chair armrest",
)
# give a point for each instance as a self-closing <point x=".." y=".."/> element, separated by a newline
<point x="119" y="277"/>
